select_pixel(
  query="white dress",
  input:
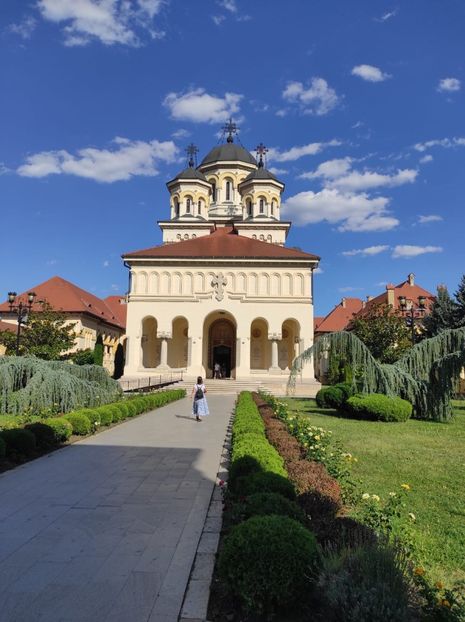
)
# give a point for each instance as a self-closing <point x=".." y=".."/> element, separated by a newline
<point x="200" y="407"/>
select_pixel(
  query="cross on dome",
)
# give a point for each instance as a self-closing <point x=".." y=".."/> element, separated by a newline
<point x="261" y="150"/>
<point x="231" y="128"/>
<point x="192" y="151"/>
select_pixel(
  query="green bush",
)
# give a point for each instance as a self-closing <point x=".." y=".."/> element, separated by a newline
<point x="80" y="423"/>
<point x="264" y="482"/>
<point x="346" y="388"/>
<point x="10" y="422"/>
<point x="377" y="407"/>
<point x="265" y="503"/>
<point x="366" y="583"/>
<point x="62" y="428"/>
<point x="2" y="448"/>
<point x="19" y="441"/>
<point x="122" y="409"/>
<point x="253" y="446"/>
<point x="92" y="414"/>
<point x="265" y="562"/>
<point x="45" y="435"/>
<point x="330" y="397"/>
<point x="106" y="415"/>
<point x="131" y="408"/>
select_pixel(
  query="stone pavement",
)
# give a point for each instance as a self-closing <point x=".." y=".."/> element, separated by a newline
<point x="107" y="529"/>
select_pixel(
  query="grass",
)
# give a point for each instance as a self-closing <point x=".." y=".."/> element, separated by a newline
<point x="430" y="457"/>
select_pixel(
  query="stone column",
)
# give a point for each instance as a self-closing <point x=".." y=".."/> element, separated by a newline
<point x="164" y="336"/>
<point x="274" y="338"/>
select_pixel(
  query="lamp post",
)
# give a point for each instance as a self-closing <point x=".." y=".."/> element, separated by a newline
<point x="22" y="311"/>
<point x="413" y="312"/>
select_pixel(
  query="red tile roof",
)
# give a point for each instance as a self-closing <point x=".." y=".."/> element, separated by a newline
<point x="69" y="298"/>
<point x="391" y="296"/>
<point x="317" y="321"/>
<point x="223" y="242"/>
<point x="6" y="326"/>
<point x="340" y="316"/>
<point x="118" y="306"/>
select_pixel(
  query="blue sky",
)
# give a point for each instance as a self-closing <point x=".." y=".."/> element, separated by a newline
<point x="361" y="105"/>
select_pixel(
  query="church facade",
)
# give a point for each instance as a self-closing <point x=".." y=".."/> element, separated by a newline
<point x="222" y="288"/>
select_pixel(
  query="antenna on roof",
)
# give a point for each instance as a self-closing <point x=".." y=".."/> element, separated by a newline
<point x="192" y="151"/>
<point x="261" y="151"/>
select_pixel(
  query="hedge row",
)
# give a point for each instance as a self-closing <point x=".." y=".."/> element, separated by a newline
<point x="48" y="433"/>
<point x="268" y="553"/>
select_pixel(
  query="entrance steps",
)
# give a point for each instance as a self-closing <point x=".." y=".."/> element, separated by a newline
<point x="230" y="386"/>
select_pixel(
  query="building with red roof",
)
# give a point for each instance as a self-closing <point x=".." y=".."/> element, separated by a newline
<point x="223" y="289"/>
<point x="91" y="315"/>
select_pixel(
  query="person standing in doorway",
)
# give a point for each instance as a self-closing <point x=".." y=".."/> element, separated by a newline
<point x="199" y="403"/>
<point x="217" y="369"/>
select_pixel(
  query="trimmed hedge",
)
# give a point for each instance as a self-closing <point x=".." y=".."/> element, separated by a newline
<point x="378" y="407"/>
<point x="44" y="434"/>
<point x="264" y="504"/>
<point x="265" y="562"/>
<point x="258" y="448"/>
<point x="19" y="441"/>
<point x="62" y="429"/>
<point x="106" y="415"/>
<point x="80" y="423"/>
<point x="263" y="482"/>
<point x="334" y="396"/>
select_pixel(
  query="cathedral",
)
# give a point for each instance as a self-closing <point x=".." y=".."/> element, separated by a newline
<point x="223" y="290"/>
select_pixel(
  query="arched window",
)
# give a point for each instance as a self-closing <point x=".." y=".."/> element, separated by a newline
<point x="272" y="208"/>
<point x="188" y="206"/>
<point x="213" y="191"/>
<point x="176" y="208"/>
<point x="199" y="207"/>
<point x="262" y="206"/>
<point x="249" y="207"/>
<point x="228" y="191"/>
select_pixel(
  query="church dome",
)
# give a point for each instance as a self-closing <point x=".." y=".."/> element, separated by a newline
<point x="229" y="152"/>
<point x="260" y="173"/>
<point x="190" y="173"/>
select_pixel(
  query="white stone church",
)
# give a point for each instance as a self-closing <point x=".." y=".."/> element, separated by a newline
<point x="223" y="287"/>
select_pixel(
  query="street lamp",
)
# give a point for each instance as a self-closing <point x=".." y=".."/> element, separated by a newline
<point x="412" y="312"/>
<point x="22" y="311"/>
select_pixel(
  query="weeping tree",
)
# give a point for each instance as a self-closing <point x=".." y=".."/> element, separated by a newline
<point x="29" y="384"/>
<point x="425" y="376"/>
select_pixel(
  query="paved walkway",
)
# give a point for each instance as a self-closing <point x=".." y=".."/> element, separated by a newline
<point x="107" y="528"/>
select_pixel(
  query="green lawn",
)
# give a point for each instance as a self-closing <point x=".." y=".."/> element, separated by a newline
<point x="428" y="456"/>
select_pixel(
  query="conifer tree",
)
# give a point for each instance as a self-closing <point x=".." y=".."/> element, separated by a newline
<point x="98" y="351"/>
<point x="119" y="362"/>
<point x="443" y="313"/>
<point x="460" y="302"/>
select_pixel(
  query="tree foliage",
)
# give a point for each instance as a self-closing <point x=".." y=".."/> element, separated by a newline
<point x="119" y="362"/>
<point x="383" y="331"/>
<point x="443" y="314"/>
<point x="460" y="303"/>
<point x="98" y="351"/>
<point x="46" y="335"/>
<point x="425" y="376"/>
<point x="83" y="357"/>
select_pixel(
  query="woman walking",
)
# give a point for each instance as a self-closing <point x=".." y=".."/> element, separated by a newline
<point x="199" y="404"/>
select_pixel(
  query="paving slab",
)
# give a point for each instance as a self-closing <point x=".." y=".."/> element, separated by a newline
<point x="108" y="528"/>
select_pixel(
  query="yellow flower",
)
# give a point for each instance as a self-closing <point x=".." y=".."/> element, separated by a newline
<point x="366" y="495"/>
<point x="439" y="585"/>
<point x="355" y="459"/>
<point x="419" y="571"/>
<point x="392" y="494"/>
<point x="444" y="602"/>
<point x="375" y="498"/>
<point x="406" y="486"/>
<point x="412" y="516"/>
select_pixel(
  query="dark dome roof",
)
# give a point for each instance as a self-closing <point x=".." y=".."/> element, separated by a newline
<point x="229" y="152"/>
<point x="260" y="173"/>
<point x="190" y="173"/>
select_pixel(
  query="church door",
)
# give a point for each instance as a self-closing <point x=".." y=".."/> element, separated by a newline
<point x="222" y="346"/>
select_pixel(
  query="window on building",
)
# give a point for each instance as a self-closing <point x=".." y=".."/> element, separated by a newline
<point x="228" y="191"/>
<point x="213" y="191"/>
<point x="176" y="207"/>
<point x="249" y="207"/>
<point x="262" y="206"/>
<point x="272" y="208"/>
<point x="199" y="207"/>
<point x="188" y="206"/>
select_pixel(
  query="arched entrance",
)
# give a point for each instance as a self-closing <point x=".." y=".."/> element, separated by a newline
<point x="221" y="344"/>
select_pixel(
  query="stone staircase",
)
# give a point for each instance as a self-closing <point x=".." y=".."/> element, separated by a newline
<point x="229" y="386"/>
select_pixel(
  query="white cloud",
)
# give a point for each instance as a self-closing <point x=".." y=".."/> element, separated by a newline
<point x="278" y="171"/>
<point x="447" y="143"/>
<point x="218" y="19"/>
<point x="370" y="73"/>
<point x="229" y="5"/>
<point x="386" y="16"/>
<point x="129" y="158"/>
<point x="422" y="220"/>
<point x="318" y="98"/>
<point x="200" y="107"/>
<point x="24" y="28"/>
<point x="181" y="133"/>
<point x="106" y="263"/>
<point x="367" y="252"/>
<point x="352" y="212"/>
<point x="425" y="159"/>
<point x="337" y="173"/>
<point x="350" y="289"/>
<point x="318" y="270"/>
<point x="406" y="251"/>
<point x="294" y="153"/>
<point x="108" y="21"/>
<point x="449" y="85"/>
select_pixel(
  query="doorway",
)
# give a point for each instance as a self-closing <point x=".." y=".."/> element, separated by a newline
<point x="222" y="347"/>
<point x="222" y="356"/>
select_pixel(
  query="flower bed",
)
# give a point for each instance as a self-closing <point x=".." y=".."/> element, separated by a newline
<point x="28" y="437"/>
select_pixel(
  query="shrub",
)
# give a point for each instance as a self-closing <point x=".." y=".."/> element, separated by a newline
<point x="44" y="434"/>
<point x="264" y="482"/>
<point x="2" y="448"/>
<point x="79" y="422"/>
<point x="10" y="422"/>
<point x="19" y="441"/>
<point x="62" y="428"/>
<point x="346" y="388"/>
<point x="262" y="504"/>
<point x="131" y="408"/>
<point x="246" y="465"/>
<point x="106" y="415"/>
<point x="287" y="446"/>
<point x="259" y="448"/>
<point x="139" y="404"/>
<point x="92" y="414"/>
<point x="366" y="583"/>
<point x="122" y="410"/>
<point x="378" y="407"/>
<point x="265" y="562"/>
<point x="330" y="397"/>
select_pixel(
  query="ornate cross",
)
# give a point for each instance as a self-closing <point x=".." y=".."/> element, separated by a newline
<point x="261" y="151"/>
<point x="219" y="282"/>
<point x="230" y="128"/>
<point x="192" y="151"/>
